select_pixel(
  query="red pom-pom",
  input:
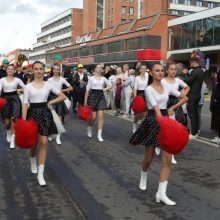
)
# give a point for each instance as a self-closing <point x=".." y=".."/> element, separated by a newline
<point x="84" y="113"/>
<point x="172" y="135"/>
<point x="26" y="133"/>
<point x="3" y="102"/>
<point x="138" y="104"/>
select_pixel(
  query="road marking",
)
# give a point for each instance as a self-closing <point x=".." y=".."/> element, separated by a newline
<point x="199" y="139"/>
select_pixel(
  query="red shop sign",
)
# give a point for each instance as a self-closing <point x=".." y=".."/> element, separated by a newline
<point x="73" y="61"/>
<point x="148" y="55"/>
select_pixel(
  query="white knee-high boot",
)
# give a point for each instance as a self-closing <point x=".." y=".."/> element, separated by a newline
<point x="40" y="175"/>
<point x="33" y="165"/>
<point x="100" y="135"/>
<point x="161" y="194"/>
<point x="8" y="137"/>
<point x="12" y="141"/>
<point x="134" y="127"/>
<point x="89" y="131"/>
<point x="173" y="161"/>
<point x="58" y="141"/>
<point x="143" y="181"/>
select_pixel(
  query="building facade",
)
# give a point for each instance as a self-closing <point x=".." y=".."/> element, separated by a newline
<point x="186" y="7"/>
<point x="142" y="39"/>
<point x="59" y="31"/>
<point x="200" y="30"/>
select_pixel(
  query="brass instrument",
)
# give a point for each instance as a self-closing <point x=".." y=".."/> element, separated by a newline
<point x="21" y="59"/>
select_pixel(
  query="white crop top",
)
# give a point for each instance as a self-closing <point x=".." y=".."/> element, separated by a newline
<point x="139" y="83"/>
<point x="154" y="98"/>
<point x="33" y="95"/>
<point x="58" y="84"/>
<point x="98" y="84"/>
<point x="12" y="86"/>
<point x="178" y="83"/>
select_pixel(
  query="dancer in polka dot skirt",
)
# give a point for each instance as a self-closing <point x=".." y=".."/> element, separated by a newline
<point x="95" y="98"/>
<point x="36" y="95"/>
<point x="157" y="95"/>
<point x="140" y="84"/>
<point x="12" y="110"/>
<point x="58" y="82"/>
<point x="176" y="83"/>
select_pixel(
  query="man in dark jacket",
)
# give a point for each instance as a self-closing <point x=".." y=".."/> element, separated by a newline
<point x="79" y="82"/>
<point x="194" y="80"/>
<point x="5" y="64"/>
<point x="20" y="74"/>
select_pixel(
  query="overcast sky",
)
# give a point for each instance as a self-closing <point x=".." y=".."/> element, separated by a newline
<point x="20" y="20"/>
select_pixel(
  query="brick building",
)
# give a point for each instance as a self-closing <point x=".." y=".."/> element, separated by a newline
<point x="141" y="39"/>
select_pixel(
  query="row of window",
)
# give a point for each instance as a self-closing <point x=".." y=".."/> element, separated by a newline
<point x="57" y="23"/>
<point x="38" y="57"/>
<point x="127" y="10"/>
<point x="53" y="44"/>
<point x="147" y="42"/>
<point x="176" y="12"/>
<point x="55" y="34"/>
<point x="198" y="3"/>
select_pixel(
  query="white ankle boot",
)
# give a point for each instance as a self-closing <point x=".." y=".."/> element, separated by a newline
<point x="173" y="161"/>
<point x="58" y="141"/>
<point x="8" y="136"/>
<point x="40" y="175"/>
<point x="89" y="131"/>
<point x="143" y="181"/>
<point x="134" y="127"/>
<point x="33" y="165"/>
<point x="12" y="142"/>
<point x="157" y="151"/>
<point x="161" y="194"/>
<point x="100" y="135"/>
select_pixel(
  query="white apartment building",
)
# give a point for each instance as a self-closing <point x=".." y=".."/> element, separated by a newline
<point x="55" y="33"/>
<point x="186" y="7"/>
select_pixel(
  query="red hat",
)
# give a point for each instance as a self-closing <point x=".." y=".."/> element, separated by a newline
<point x="29" y="65"/>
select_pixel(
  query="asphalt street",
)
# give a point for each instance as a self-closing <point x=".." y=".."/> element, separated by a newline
<point x="99" y="181"/>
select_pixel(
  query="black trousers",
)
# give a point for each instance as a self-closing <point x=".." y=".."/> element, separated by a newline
<point x="80" y="96"/>
<point x="74" y="98"/>
<point x="193" y="112"/>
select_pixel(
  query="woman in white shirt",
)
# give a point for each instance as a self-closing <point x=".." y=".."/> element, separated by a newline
<point x="36" y="96"/>
<point x="12" y="110"/>
<point x="95" y="98"/>
<point x="140" y="85"/>
<point x="157" y="95"/>
<point x="57" y="81"/>
<point x="177" y="84"/>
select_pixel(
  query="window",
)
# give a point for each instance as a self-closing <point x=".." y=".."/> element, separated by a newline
<point x="174" y="12"/>
<point x="123" y="21"/>
<point x="210" y="5"/>
<point x="175" y="1"/>
<point x="84" y="51"/>
<point x="123" y="10"/>
<point x="186" y="13"/>
<point x="199" y="3"/>
<point x="133" y="44"/>
<point x="98" y="49"/>
<point x="187" y="2"/>
<point x="114" y="47"/>
<point x="131" y="10"/>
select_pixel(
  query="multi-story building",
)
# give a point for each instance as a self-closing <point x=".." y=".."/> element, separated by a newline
<point x="59" y="31"/>
<point x="186" y="7"/>
<point x="99" y="14"/>
<point x="199" y="30"/>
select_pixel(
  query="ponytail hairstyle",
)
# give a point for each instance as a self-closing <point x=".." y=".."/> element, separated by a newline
<point x="150" y="79"/>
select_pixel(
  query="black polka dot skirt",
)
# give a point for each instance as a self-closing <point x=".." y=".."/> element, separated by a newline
<point x="146" y="133"/>
<point x="179" y="114"/>
<point x="40" y="113"/>
<point x="142" y="94"/>
<point x="13" y="107"/>
<point x="60" y="108"/>
<point x="96" y="100"/>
